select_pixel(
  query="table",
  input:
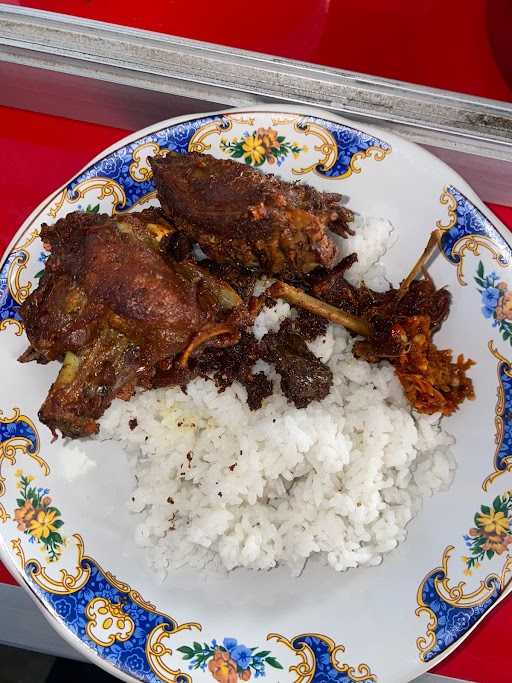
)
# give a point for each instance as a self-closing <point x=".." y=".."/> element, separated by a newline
<point x="41" y="153"/>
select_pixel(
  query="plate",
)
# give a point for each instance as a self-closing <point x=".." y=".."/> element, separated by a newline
<point x="387" y="623"/>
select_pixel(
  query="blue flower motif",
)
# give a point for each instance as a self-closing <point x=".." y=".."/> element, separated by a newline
<point x="65" y="608"/>
<point x="242" y="656"/>
<point x="43" y="256"/>
<point x="490" y="297"/>
<point x="135" y="661"/>
<point x="458" y="619"/>
<point x="230" y="644"/>
<point x="214" y="643"/>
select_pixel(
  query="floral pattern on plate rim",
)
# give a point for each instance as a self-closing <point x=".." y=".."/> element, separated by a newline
<point x="496" y="301"/>
<point x="18" y="436"/>
<point x="260" y="146"/>
<point x="36" y="517"/>
<point x="468" y="230"/>
<point x="452" y="610"/>
<point x="12" y="291"/>
<point x="114" y="621"/>
<point x="503" y="436"/>
<point x="348" y="145"/>
<point x="229" y="660"/>
<point x="491" y="534"/>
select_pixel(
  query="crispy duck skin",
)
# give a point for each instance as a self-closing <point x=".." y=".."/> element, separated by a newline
<point x="240" y="215"/>
<point x="112" y="307"/>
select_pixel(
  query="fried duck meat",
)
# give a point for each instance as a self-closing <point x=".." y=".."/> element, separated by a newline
<point x="240" y="215"/>
<point x="113" y="309"/>
<point x="304" y="377"/>
<point x="397" y="326"/>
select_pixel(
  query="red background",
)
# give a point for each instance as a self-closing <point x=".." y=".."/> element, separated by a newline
<point x="457" y="45"/>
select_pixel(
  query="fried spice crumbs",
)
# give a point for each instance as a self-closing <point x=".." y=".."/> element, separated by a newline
<point x="432" y="382"/>
<point x="132" y="423"/>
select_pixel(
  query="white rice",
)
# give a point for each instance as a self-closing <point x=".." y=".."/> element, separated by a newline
<point x="216" y="484"/>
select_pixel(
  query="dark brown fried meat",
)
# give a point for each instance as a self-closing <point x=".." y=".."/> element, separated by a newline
<point x="421" y="298"/>
<point x="304" y="378"/>
<point x="241" y="279"/>
<point x="242" y="216"/>
<point x="112" y="307"/>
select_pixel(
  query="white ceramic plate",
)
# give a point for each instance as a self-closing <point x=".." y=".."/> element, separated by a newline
<point x="386" y="624"/>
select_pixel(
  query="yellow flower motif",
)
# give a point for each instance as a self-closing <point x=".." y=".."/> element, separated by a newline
<point x="305" y="148"/>
<point x="465" y="559"/>
<point x="42" y="526"/>
<point x="467" y="571"/>
<point x="477" y="565"/>
<point x="494" y="522"/>
<point x="18" y="473"/>
<point x="30" y="478"/>
<point x="254" y="149"/>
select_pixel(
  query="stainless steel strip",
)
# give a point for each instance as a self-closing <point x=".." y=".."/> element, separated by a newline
<point x="22" y="625"/>
<point x="213" y="73"/>
<point x="132" y="108"/>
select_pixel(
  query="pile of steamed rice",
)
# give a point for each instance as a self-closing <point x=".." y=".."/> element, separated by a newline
<point x="216" y="484"/>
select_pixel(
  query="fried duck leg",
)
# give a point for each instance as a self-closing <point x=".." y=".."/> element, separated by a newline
<point x="239" y="215"/>
<point x="112" y="307"/>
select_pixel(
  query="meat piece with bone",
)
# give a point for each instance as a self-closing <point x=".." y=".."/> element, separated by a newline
<point x="238" y="214"/>
<point x="112" y="308"/>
